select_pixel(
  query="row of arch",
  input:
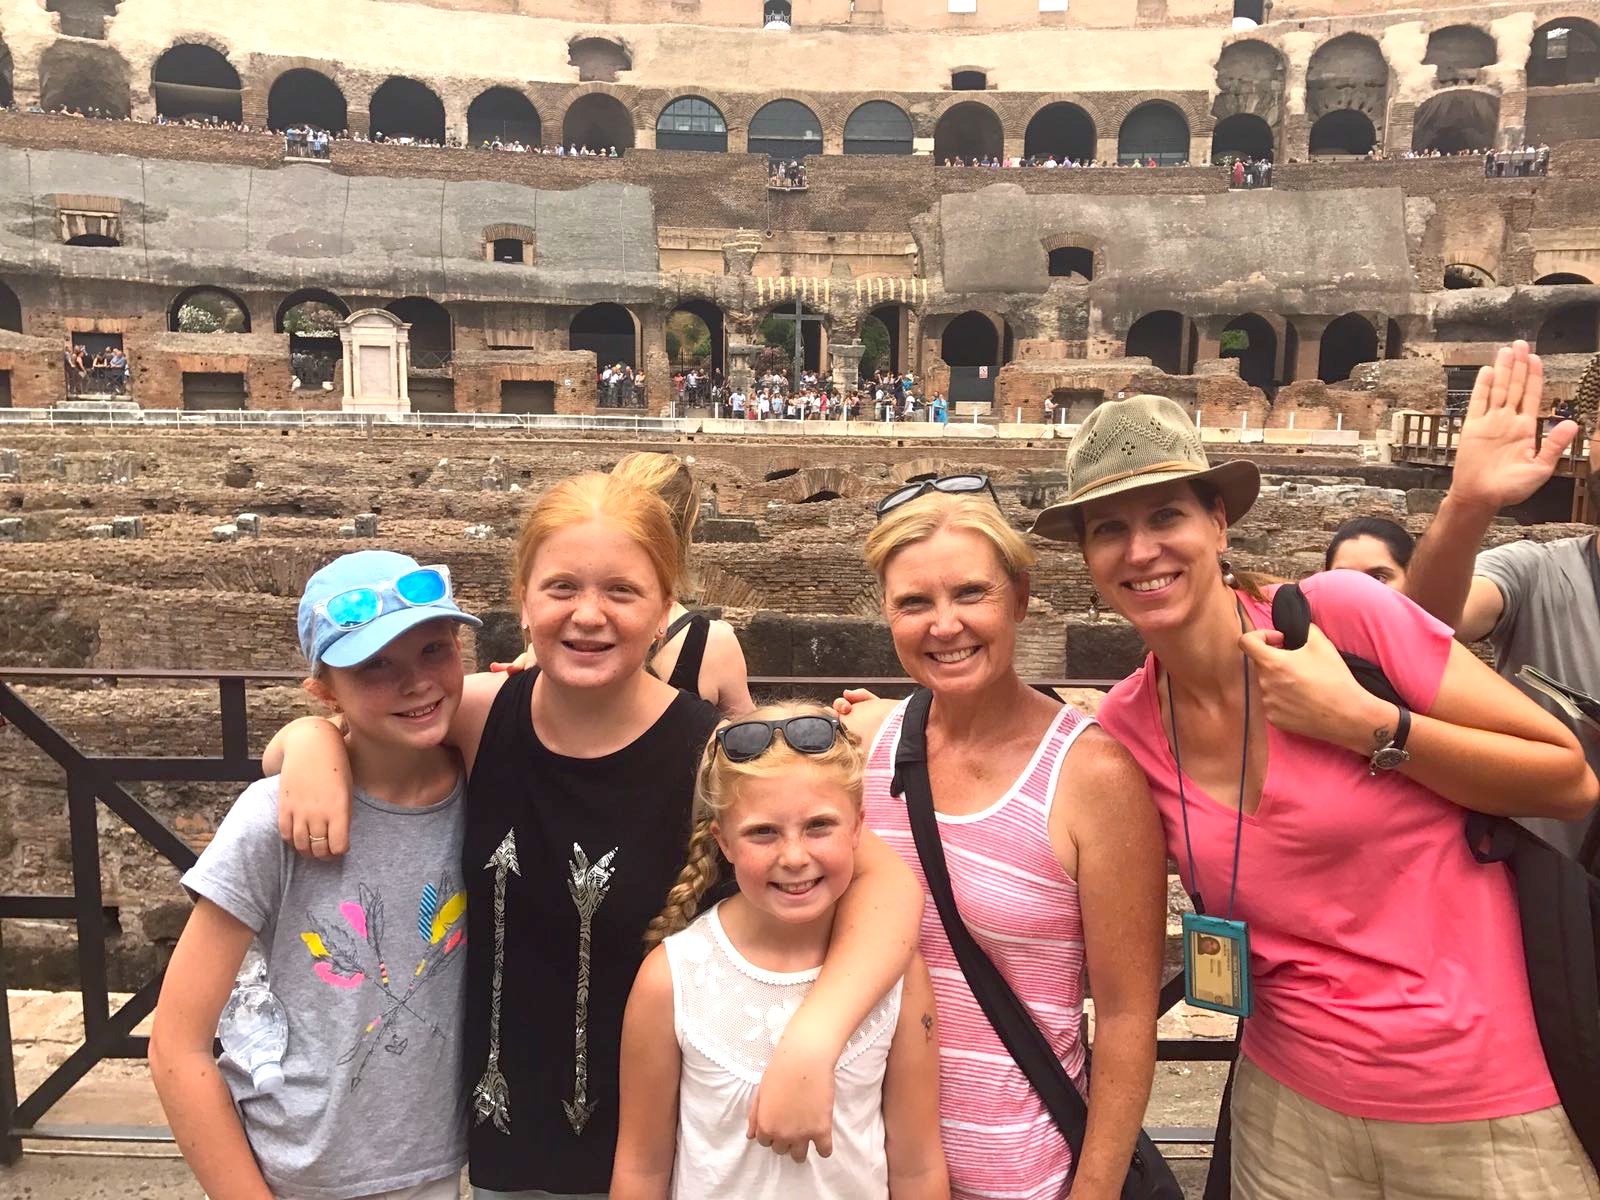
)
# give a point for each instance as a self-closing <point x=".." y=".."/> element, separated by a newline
<point x="1347" y="79"/>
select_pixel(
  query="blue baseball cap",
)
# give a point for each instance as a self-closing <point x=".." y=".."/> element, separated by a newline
<point x="324" y="641"/>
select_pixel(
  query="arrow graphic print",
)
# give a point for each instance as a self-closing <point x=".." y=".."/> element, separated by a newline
<point x="491" y="1099"/>
<point x="588" y="886"/>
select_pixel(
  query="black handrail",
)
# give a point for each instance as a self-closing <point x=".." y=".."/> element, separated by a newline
<point x="94" y="779"/>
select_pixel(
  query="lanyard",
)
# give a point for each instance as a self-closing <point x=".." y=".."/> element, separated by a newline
<point x="1183" y="800"/>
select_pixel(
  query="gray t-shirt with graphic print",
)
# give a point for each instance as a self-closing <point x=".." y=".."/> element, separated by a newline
<point x="367" y="954"/>
<point x="1551" y="619"/>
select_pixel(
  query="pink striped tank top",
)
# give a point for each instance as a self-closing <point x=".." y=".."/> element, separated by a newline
<point x="1022" y="908"/>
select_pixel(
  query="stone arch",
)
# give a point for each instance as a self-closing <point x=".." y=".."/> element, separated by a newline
<point x="918" y="469"/>
<point x="969" y="79"/>
<point x="710" y="315"/>
<point x="1458" y="53"/>
<point x="878" y="127"/>
<point x="192" y="80"/>
<point x="784" y="466"/>
<point x="1243" y="135"/>
<point x="306" y="296"/>
<point x="1566" y="50"/>
<point x="598" y="58"/>
<point x="1250" y="77"/>
<point x="1166" y="337"/>
<point x="432" y="330"/>
<point x="785" y="128"/>
<point x="598" y="120"/>
<point x="1254" y="342"/>
<point x="1459" y="119"/>
<point x="814" y="484"/>
<point x="1465" y="275"/>
<point x="403" y="107"/>
<point x="972" y="339"/>
<point x="610" y="330"/>
<point x="1343" y="131"/>
<point x="1572" y="329"/>
<point x="1347" y="72"/>
<point x="84" y="77"/>
<point x="508" y="242"/>
<point x="692" y="123"/>
<point x="1156" y="129"/>
<point x="1563" y="278"/>
<point x="10" y="309"/>
<point x="1347" y="341"/>
<point x="503" y="113"/>
<point x="1062" y="130"/>
<point x="306" y="96"/>
<point x="1076" y="241"/>
<point x="311" y="318"/>
<point x="968" y="129"/>
<point x="891" y="318"/>
<point x="208" y="310"/>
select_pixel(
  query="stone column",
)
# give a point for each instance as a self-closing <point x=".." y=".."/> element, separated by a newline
<point x="740" y="373"/>
<point x="846" y="366"/>
<point x="1208" y="337"/>
<point x="1106" y="148"/>
<point x="1309" y="331"/>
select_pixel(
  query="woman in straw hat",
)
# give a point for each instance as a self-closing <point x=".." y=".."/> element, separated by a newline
<point x="1391" y="1049"/>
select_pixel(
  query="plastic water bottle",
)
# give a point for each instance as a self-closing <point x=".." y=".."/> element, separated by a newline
<point x="254" y="1028"/>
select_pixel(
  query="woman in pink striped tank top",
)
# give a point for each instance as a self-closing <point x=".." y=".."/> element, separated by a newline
<point x="1054" y="850"/>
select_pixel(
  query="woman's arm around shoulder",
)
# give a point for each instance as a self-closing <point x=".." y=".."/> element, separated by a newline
<point x="647" y="1135"/>
<point x="917" y="1168"/>
<point x="1104" y="817"/>
<point x="198" y="1104"/>
<point x="725" y="669"/>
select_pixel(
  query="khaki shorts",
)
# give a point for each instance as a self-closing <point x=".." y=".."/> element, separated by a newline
<point x="1287" y="1148"/>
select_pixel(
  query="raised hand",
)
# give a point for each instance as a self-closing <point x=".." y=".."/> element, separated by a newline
<point x="1499" y="460"/>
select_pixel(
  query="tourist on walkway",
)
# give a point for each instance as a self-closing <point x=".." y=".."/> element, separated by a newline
<point x="1390" y="1049"/>
<point x="579" y="796"/>
<point x="354" y="1106"/>
<point x="1054" y="850"/>
<point x="1538" y="603"/>
<point x="1375" y="545"/>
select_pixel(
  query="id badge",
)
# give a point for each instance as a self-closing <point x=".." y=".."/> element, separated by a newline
<point x="1216" y="964"/>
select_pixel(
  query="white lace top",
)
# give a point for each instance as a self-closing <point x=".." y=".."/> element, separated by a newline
<point x="728" y="1015"/>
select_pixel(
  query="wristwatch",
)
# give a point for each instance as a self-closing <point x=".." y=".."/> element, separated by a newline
<point x="1389" y="751"/>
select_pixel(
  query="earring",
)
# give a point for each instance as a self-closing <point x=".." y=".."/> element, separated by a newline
<point x="1228" y="576"/>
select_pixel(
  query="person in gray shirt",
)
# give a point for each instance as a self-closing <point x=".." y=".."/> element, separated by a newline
<point x="1538" y="603"/>
<point x="365" y="952"/>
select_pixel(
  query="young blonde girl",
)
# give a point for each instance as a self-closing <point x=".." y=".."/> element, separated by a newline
<point x="778" y="798"/>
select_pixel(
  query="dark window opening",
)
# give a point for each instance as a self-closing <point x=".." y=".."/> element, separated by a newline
<point x="1557" y="279"/>
<point x="698" y="328"/>
<point x="1243" y="135"/>
<point x="608" y="330"/>
<point x="100" y="366"/>
<point x="599" y="122"/>
<point x="1346" y="131"/>
<point x="10" y="310"/>
<point x="1563" y="52"/>
<point x="785" y="129"/>
<point x="968" y="131"/>
<point x="208" y="310"/>
<point x="432" y="332"/>
<point x="1346" y="343"/>
<point x="1252" y="340"/>
<point x="1394" y="342"/>
<point x="1067" y="262"/>
<point x="690" y="123"/>
<point x="1462" y="275"/>
<point x="1250" y="10"/>
<point x="404" y="110"/>
<point x="881" y="334"/>
<point x="5" y="389"/>
<point x="83" y="18"/>
<point x="780" y="473"/>
<point x="598" y="59"/>
<point x="209" y="391"/>
<point x="93" y="239"/>
<point x="5" y="76"/>
<point x="503" y="115"/>
<point x="1458" y="53"/>
<point x="968" y="81"/>
<point x="510" y="250"/>
<point x="819" y="497"/>
<point x="312" y="318"/>
<point x="1166" y="338"/>
<point x="529" y="397"/>
<point x="1456" y="121"/>
<point x="878" y="127"/>
<point x="777" y="14"/>
<point x="306" y="97"/>
<point x="84" y="78"/>
<point x="1061" y="131"/>
<point x="196" y="83"/>
<point x="1154" y="131"/>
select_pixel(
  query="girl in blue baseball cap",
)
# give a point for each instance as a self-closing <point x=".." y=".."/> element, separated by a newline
<point x="365" y="954"/>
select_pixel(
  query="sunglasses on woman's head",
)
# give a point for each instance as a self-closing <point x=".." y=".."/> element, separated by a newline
<point x="745" y="740"/>
<point x="362" y="605"/>
<point x="951" y="485"/>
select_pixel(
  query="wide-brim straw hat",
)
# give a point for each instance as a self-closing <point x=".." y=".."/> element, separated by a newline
<point x="1138" y="443"/>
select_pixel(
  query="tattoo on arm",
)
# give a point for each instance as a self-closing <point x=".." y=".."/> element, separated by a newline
<point x="927" y="1027"/>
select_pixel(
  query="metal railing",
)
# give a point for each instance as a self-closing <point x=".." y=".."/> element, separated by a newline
<point x="1430" y="439"/>
<point x="95" y="779"/>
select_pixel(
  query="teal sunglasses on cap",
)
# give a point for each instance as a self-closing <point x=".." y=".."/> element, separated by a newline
<point x="362" y="605"/>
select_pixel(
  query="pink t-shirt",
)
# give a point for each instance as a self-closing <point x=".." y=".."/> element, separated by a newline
<point x="1387" y="962"/>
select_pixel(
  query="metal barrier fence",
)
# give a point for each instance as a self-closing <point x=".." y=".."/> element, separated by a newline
<point x="95" y="779"/>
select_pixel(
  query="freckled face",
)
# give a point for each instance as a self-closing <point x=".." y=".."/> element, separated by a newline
<point x="953" y="611"/>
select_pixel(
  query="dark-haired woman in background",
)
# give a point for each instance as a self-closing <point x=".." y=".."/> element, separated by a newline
<point x="1376" y="545"/>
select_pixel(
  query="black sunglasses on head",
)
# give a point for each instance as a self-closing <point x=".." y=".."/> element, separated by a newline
<point x="954" y="485"/>
<point x="745" y="740"/>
